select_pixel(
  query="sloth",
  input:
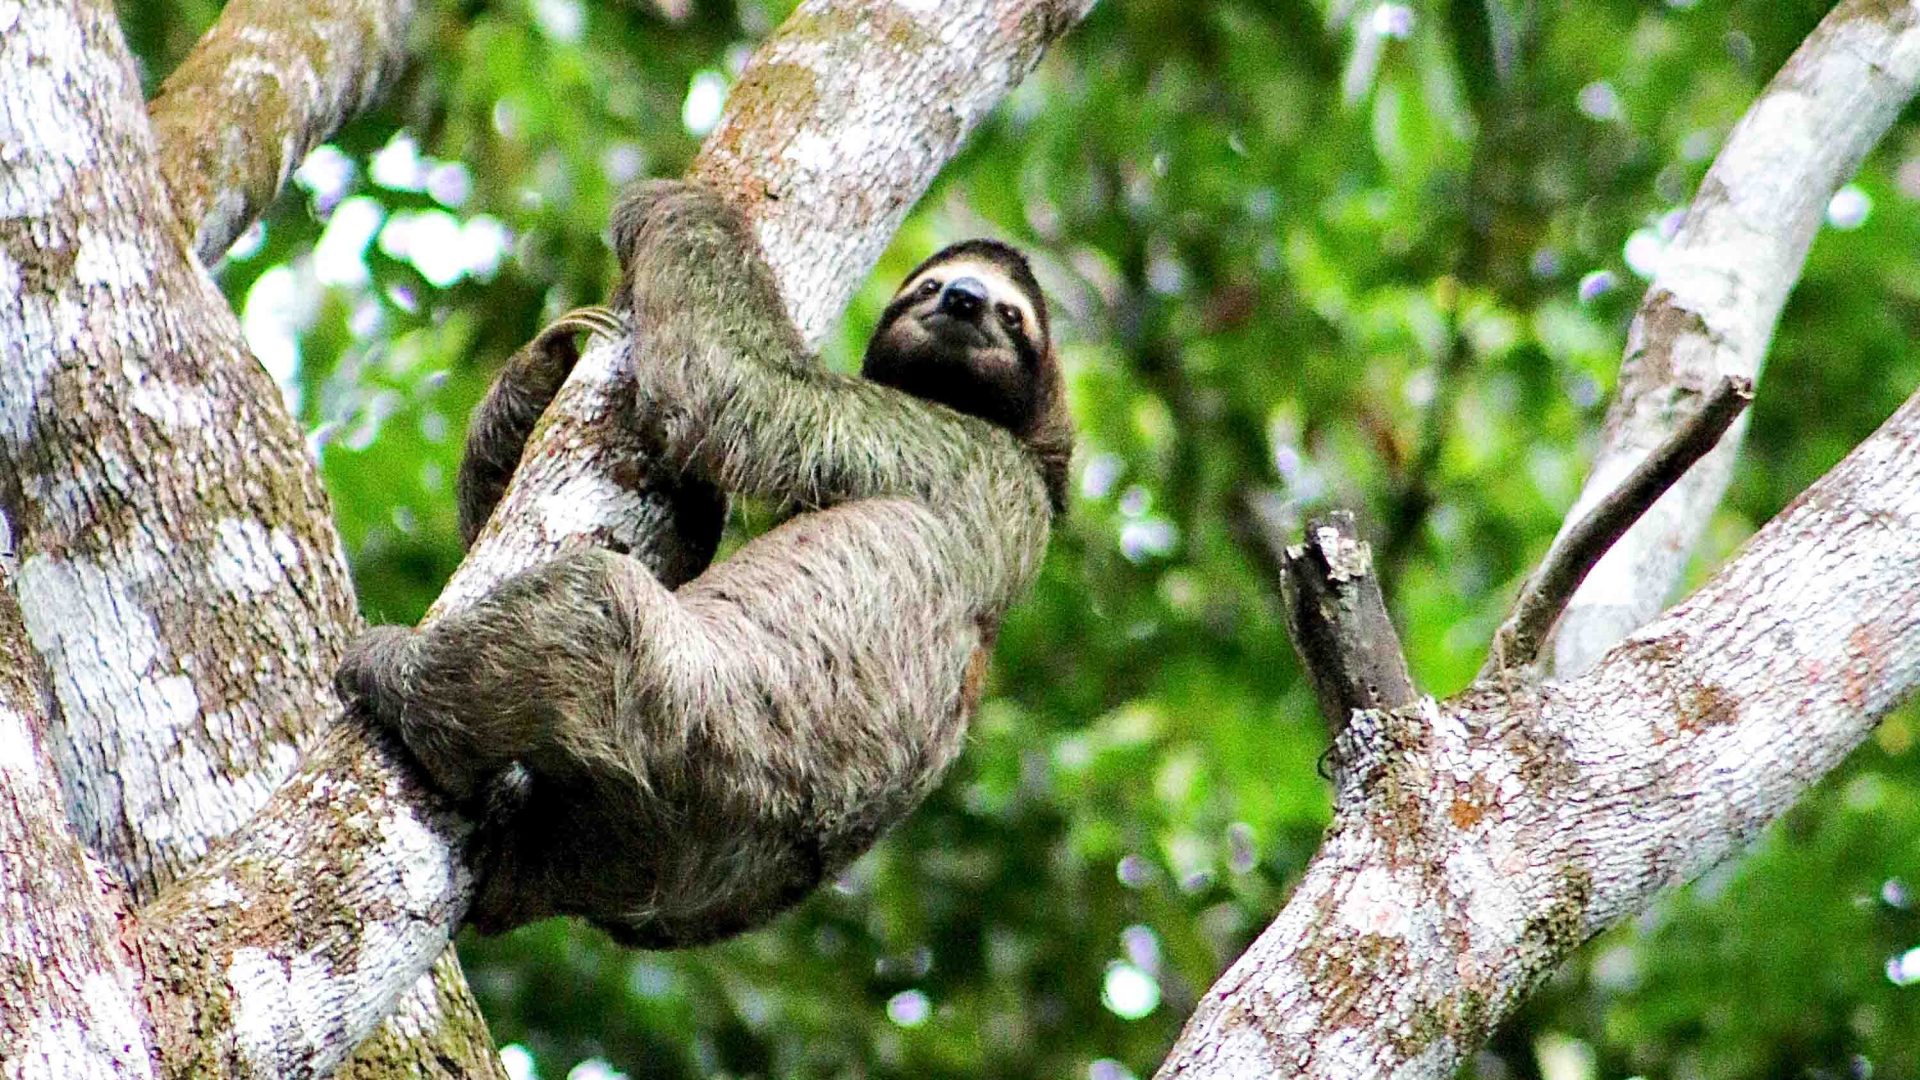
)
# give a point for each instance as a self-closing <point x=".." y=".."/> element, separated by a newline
<point x="684" y="764"/>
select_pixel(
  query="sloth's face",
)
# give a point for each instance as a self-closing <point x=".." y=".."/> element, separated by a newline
<point x="962" y="332"/>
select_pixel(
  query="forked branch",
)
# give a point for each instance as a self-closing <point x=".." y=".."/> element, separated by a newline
<point x="1722" y="282"/>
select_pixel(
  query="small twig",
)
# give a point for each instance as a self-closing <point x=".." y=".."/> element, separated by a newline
<point x="1519" y="639"/>
<point x="1337" y="617"/>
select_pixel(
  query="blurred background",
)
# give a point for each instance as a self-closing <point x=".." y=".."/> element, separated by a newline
<point x="1302" y="253"/>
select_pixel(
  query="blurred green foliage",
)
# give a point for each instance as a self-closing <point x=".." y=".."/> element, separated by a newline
<point x="1309" y="252"/>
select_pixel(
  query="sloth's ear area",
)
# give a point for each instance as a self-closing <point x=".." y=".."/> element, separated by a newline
<point x="1052" y="434"/>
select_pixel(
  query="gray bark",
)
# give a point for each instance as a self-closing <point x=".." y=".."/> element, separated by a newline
<point x="179" y="572"/>
<point x="75" y="1010"/>
<point x="271" y="80"/>
<point x="1478" y="841"/>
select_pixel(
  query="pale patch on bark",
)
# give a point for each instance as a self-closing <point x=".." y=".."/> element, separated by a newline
<point x="10" y="280"/>
<point x="585" y="504"/>
<point x="245" y="559"/>
<point x="16" y="743"/>
<point x="275" y="1002"/>
<point x="170" y="404"/>
<point x="1380" y="904"/>
<point x="106" y="259"/>
<point x="45" y="137"/>
<point x="118" y="657"/>
<point x="219" y="894"/>
<point x="420" y="856"/>
<point x="62" y="1048"/>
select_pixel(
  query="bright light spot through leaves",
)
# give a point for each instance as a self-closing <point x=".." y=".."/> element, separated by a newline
<point x="595" y="1069"/>
<point x="1904" y="970"/>
<point x="1129" y="993"/>
<point x="1849" y="208"/>
<point x="705" y="98"/>
<point x="518" y="1062"/>
<point x="909" y="1008"/>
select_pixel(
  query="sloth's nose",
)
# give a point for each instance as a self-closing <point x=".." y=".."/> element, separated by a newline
<point x="964" y="298"/>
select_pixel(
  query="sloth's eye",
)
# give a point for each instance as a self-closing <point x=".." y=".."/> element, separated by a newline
<point x="1010" y="315"/>
<point x="928" y="287"/>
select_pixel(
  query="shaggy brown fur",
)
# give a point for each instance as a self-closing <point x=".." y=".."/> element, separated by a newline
<point x="697" y="761"/>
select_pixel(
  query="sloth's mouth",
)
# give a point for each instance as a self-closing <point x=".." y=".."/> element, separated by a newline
<point x="966" y="332"/>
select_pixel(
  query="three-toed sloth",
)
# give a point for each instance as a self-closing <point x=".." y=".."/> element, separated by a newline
<point x="701" y="759"/>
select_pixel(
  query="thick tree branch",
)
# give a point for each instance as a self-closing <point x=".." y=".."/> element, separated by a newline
<point x="1479" y="841"/>
<point x="179" y="572"/>
<point x="351" y="827"/>
<point x="165" y="513"/>
<point x="268" y="82"/>
<point x="1712" y="307"/>
<point x="1581" y="545"/>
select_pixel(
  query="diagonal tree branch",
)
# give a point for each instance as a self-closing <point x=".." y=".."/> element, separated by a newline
<point x="1584" y="542"/>
<point x="1479" y="841"/>
<point x="269" y="81"/>
<point x="1712" y="308"/>
<point x="352" y="832"/>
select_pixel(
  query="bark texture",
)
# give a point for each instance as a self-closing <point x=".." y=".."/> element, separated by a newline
<point x="270" y="81"/>
<point x="167" y="519"/>
<point x="1338" y="621"/>
<point x="1478" y="841"/>
<point x="60" y="956"/>
<point x="1713" y="305"/>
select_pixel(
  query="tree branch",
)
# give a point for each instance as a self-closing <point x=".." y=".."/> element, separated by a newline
<point x="1485" y="838"/>
<point x="168" y="517"/>
<point x="1338" y="621"/>
<point x="1335" y="612"/>
<point x="1712" y="307"/>
<point x="1477" y="842"/>
<point x="1546" y="593"/>
<point x="269" y="81"/>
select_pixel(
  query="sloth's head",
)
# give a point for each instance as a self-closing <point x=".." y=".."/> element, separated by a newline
<point x="968" y="329"/>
